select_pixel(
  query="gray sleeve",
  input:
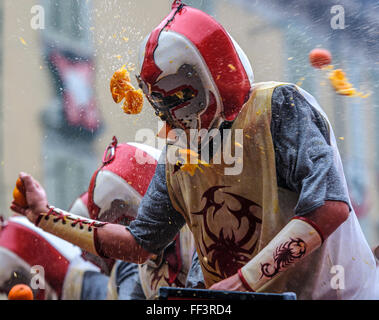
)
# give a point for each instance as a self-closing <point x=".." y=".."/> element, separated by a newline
<point x="131" y="289"/>
<point x="157" y="222"/>
<point x="128" y="281"/>
<point x="303" y="154"/>
<point x="94" y="286"/>
<point x="195" y="278"/>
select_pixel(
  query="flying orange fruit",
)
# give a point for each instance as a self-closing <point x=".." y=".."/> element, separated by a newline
<point x="19" y="194"/>
<point x="320" y="58"/>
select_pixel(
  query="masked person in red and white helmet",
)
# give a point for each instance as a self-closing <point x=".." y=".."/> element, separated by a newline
<point x="114" y="194"/>
<point x="283" y="222"/>
<point x="79" y="207"/>
<point x="26" y="250"/>
<point x="37" y="258"/>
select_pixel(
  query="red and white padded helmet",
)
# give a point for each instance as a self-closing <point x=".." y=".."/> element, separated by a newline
<point x="192" y="71"/>
<point x="118" y="186"/>
<point x="23" y="246"/>
<point x="80" y="206"/>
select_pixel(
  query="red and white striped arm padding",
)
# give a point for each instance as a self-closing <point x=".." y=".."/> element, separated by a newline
<point x="299" y="238"/>
<point x="72" y="228"/>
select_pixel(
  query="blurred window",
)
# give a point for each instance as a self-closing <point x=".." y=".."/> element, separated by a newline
<point x="67" y="25"/>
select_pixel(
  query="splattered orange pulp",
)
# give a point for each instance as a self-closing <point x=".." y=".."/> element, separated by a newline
<point x="341" y="84"/>
<point x="121" y="89"/>
<point x="191" y="167"/>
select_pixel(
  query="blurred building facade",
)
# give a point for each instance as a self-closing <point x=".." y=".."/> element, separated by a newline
<point x="53" y="76"/>
<point x="278" y="36"/>
<point x="39" y="137"/>
<point x="71" y="120"/>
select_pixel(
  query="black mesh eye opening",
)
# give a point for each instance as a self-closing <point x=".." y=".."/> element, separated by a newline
<point x="173" y="100"/>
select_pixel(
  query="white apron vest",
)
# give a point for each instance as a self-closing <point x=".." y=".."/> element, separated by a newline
<point x="233" y="217"/>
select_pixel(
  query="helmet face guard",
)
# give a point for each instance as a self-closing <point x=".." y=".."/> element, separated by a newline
<point x="192" y="72"/>
<point x="178" y="98"/>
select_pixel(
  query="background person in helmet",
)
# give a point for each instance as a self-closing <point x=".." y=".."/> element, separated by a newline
<point x="67" y="275"/>
<point x="284" y="222"/>
<point x="114" y="194"/>
<point x="79" y="206"/>
<point x="24" y="249"/>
